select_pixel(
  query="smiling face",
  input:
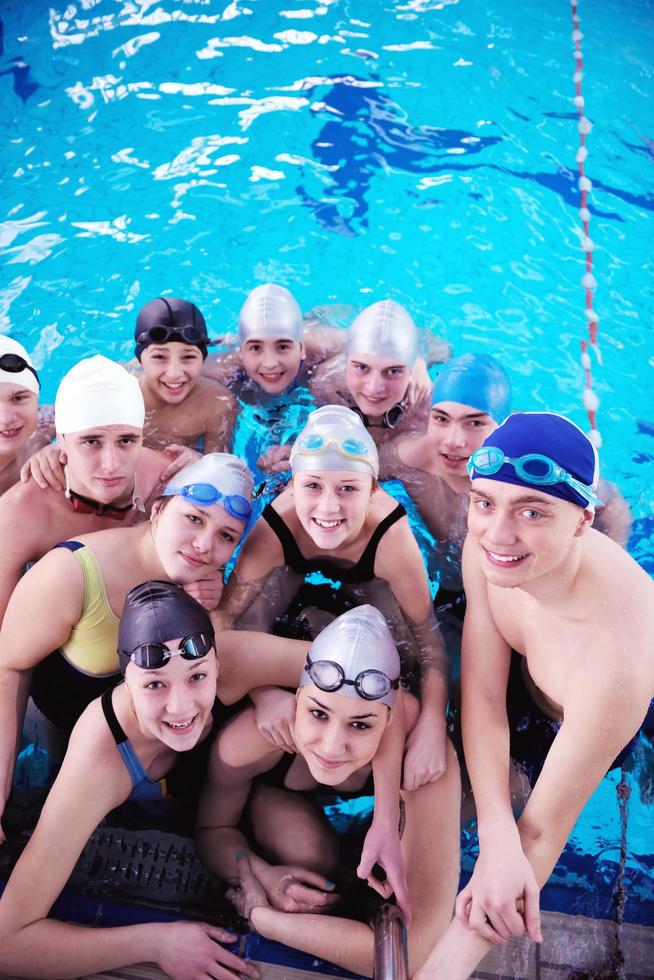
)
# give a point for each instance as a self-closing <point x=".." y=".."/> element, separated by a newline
<point x="101" y="462"/>
<point x="522" y="534"/>
<point x="272" y="362"/>
<point x="173" y="703"/>
<point x="337" y="735"/>
<point x="193" y="542"/>
<point x="19" y="409"/>
<point x="171" y="371"/>
<point x="455" y="432"/>
<point x="332" y="505"/>
<point x="376" y="383"/>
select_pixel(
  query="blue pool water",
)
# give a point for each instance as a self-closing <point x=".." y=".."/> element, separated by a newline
<point x="352" y="149"/>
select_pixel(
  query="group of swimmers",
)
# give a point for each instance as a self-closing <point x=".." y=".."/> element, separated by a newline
<point x="120" y="650"/>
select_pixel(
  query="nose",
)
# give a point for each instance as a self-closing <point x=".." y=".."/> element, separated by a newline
<point x="329" y="502"/>
<point x="333" y="742"/>
<point x="174" y="370"/>
<point x="109" y="461"/>
<point x="500" y="528"/>
<point x="203" y="539"/>
<point x="178" y="701"/>
<point x="455" y="436"/>
<point x="375" y="383"/>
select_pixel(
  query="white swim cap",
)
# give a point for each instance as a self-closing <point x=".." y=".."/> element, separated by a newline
<point x="16" y="373"/>
<point x="386" y="330"/>
<point x="355" y="656"/>
<point x="270" y="311"/>
<point x="334" y="438"/>
<point x="97" y="391"/>
<point x="227" y="474"/>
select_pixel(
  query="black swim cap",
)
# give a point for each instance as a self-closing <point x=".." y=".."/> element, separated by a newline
<point x="156" y="612"/>
<point x="168" y="319"/>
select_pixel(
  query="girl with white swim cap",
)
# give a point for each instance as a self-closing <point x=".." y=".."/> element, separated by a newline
<point x="334" y="520"/>
<point x="120" y="749"/>
<point x="181" y="407"/>
<point x="289" y="862"/>
<point x="19" y="411"/>
<point x="79" y="589"/>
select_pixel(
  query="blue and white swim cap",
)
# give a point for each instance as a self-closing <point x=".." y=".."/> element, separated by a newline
<point x="553" y="437"/>
<point x="477" y="380"/>
<point x="333" y="439"/>
<point x="270" y="312"/>
<point x="384" y="329"/>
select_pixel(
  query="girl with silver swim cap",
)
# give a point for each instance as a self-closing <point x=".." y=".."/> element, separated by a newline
<point x="335" y="521"/>
<point x="290" y="862"/>
<point x="181" y="407"/>
<point x="120" y="749"/>
<point x="193" y="530"/>
<point x="19" y="411"/>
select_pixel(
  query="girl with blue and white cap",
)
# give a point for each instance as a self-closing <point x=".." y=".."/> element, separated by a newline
<point x="79" y="589"/>
<point x="124" y="747"/>
<point x="19" y="411"/>
<point x="334" y="520"/>
<point x="281" y="872"/>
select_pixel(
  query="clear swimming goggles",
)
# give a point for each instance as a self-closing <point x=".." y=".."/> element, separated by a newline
<point x="152" y="656"/>
<point x="533" y="468"/>
<point x="163" y="335"/>
<point x="369" y="684"/>
<point x="313" y="444"/>
<point x="205" y="493"/>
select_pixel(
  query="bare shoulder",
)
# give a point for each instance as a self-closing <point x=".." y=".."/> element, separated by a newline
<point x="211" y="392"/>
<point x="150" y="466"/>
<point x="25" y="516"/>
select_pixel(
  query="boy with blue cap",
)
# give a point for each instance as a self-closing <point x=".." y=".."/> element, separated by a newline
<point x="559" y="626"/>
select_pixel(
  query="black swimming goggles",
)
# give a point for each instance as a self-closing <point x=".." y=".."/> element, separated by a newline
<point x="371" y="685"/>
<point x="151" y="656"/>
<point x="164" y="335"/>
<point x="14" y="364"/>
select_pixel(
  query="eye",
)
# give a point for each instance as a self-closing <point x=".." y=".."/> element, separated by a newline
<point x="311" y="485"/>
<point x="481" y="504"/>
<point x="92" y="442"/>
<point x="254" y="348"/>
<point x="194" y="519"/>
<point x="349" y="488"/>
<point x="318" y="714"/>
<point x="226" y="536"/>
<point x="128" y="440"/>
<point x="361" y="368"/>
<point x="197" y="678"/>
<point x="360" y="726"/>
<point x="530" y="514"/>
<point x="395" y="372"/>
<point x="439" y="419"/>
<point x="283" y="347"/>
<point x="153" y="685"/>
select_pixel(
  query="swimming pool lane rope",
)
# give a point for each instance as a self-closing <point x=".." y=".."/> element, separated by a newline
<point x="588" y="280"/>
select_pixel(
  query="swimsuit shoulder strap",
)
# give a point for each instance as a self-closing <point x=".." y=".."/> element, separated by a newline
<point x="70" y="545"/>
<point x="366" y="563"/>
<point x="132" y="763"/>
<point x="293" y="557"/>
<point x="111" y="719"/>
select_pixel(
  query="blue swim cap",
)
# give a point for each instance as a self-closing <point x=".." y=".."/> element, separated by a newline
<point x="477" y="380"/>
<point x="550" y="435"/>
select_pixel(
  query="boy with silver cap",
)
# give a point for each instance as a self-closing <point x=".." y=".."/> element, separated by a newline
<point x="558" y="628"/>
<point x="345" y="703"/>
<point x="19" y="411"/>
<point x="180" y="406"/>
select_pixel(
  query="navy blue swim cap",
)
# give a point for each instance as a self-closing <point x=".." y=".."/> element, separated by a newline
<point x="157" y="612"/>
<point x="550" y="435"/>
<point x="477" y="380"/>
<point x="167" y="319"/>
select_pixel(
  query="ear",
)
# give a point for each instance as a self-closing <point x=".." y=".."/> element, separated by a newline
<point x="63" y="458"/>
<point x="303" y="352"/>
<point x="585" y="524"/>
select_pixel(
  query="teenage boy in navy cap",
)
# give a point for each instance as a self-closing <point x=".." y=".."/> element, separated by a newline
<point x="557" y="669"/>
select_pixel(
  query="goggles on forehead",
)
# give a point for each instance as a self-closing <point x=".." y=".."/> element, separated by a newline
<point x="371" y="685"/>
<point x="533" y="468"/>
<point x="14" y="364"/>
<point x="163" y="335"/>
<point x="205" y="493"/>
<point x="313" y="444"/>
<point x="152" y="656"/>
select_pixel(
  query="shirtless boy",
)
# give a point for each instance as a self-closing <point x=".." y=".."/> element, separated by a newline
<point x="180" y="406"/>
<point x="19" y="411"/>
<point x="580" y="612"/>
<point x="99" y="418"/>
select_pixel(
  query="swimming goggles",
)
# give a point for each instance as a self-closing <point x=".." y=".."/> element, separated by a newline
<point x="205" y="493"/>
<point x="163" y="335"/>
<point x="371" y="685"/>
<point x="85" y="505"/>
<point x="533" y="468"/>
<point x="152" y="656"/>
<point x="14" y="364"/>
<point x="313" y="444"/>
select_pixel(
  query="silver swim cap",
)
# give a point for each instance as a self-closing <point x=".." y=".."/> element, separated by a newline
<point x="228" y="477"/>
<point x="356" y="656"/>
<point x="270" y="311"/>
<point x="334" y="438"/>
<point x="386" y="330"/>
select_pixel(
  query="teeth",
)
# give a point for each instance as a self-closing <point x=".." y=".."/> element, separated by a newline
<point x="327" y="523"/>
<point x="182" y="724"/>
<point x="507" y="559"/>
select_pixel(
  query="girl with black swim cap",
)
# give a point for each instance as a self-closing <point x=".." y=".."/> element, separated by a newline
<point x="121" y="748"/>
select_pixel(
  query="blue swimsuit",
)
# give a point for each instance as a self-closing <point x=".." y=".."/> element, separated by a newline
<point x="144" y="789"/>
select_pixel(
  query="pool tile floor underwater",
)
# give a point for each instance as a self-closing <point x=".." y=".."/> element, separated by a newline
<point x="573" y="946"/>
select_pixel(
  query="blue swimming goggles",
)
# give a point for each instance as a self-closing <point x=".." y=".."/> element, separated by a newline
<point x="371" y="685"/>
<point x="205" y="493"/>
<point x="534" y="468"/>
<point x="313" y="444"/>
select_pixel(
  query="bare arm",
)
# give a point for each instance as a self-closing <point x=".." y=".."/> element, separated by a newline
<point x="614" y="518"/>
<point x="260" y="554"/>
<point x="223" y="367"/>
<point x="249" y="660"/>
<point x="223" y="409"/>
<point x="321" y="343"/>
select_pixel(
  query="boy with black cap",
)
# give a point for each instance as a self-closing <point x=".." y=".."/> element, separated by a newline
<point x="180" y="406"/>
<point x="580" y="612"/>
